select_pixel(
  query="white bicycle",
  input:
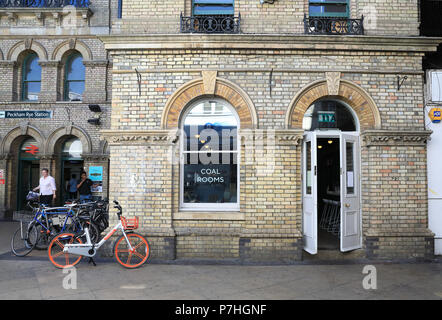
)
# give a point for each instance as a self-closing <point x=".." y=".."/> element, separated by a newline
<point x="131" y="250"/>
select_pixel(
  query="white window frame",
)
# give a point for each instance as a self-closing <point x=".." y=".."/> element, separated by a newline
<point x="210" y="206"/>
<point x="430" y="85"/>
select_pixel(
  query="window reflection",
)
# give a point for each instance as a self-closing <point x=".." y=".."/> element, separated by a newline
<point x="210" y="151"/>
<point x="328" y="114"/>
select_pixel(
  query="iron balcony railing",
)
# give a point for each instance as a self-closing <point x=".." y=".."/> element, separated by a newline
<point x="333" y="26"/>
<point x="210" y="24"/>
<point x="43" y="3"/>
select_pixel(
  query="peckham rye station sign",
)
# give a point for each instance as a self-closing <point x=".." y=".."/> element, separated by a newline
<point x="27" y="114"/>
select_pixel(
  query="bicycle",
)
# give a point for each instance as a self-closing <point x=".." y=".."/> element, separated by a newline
<point x="39" y="230"/>
<point x="46" y="222"/>
<point x="131" y="250"/>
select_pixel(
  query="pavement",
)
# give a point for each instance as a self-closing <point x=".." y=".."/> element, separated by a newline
<point x="34" y="277"/>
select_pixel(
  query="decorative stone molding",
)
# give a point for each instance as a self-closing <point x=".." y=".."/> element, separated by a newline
<point x="349" y="93"/>
<point x="153" y="137"/>
<point x="72" y="44"/>
<point x="67" y="130"/>
<point x="224" y="89"/>
<point x="391" y="138"/>
<point x="27" y="44"/>
<point x="333" y="82"/>
<point x="95" y="157"/>
<point x="7" y="63"/>
<point x="49" y="63"/>
<point x="209" y="81"/>
<point x="95" y="63"/>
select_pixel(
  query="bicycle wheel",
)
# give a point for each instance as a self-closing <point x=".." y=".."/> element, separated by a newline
<point x="56" y="255"/>
<point x="135" y="257"/>
<point x="23" y="240"/>
<point x="43" y="237"/>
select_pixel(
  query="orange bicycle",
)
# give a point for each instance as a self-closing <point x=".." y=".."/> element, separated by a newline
<point x="131" y="250"/>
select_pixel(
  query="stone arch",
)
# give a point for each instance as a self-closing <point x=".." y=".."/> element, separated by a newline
<point x="350" y="93"/>
<point x="69" y="130"/>
<point x="28" y="44"/>
<point x="20" y="131"/>
<point x="197" y="88"/>
<point x="1" y="55"/>
<point x="72" y="44"/>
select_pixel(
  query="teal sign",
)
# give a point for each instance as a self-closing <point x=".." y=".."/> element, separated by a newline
<point x="96" y="173"/>
<point x="28" y="114"/>
<point x="326" y="117"/>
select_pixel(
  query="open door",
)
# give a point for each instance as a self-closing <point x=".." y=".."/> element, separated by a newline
<point x="310" y="194"/>
<point x="351" y="234"/>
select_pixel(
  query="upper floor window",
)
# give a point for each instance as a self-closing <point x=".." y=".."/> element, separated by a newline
<point x="329" y="8"/>
<point x="212" y="7"/>
<point x="74" y="78"/>
<point x="209" y="153"/>
<point x="31" y="83"/>
<point x="435" y="85"/>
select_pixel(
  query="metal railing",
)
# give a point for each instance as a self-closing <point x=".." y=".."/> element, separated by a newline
<point x="333" y="26"/>
<point x="44" y="3"/>
<point x="210" y="24"/>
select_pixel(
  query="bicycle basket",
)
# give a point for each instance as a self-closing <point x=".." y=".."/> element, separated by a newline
<point x="129" y="223"/>
<point x="32" y="196"/>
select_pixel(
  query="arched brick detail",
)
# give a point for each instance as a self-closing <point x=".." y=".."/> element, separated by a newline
<point x="72" y="44"/>
<point x="69" y="131"/>
<point x="20" y="131"/>
<point x="353" y="95"/>
<point x="223" y="89"/>
<point x="21" y="46"/>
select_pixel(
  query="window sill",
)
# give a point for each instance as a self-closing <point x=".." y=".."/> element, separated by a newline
<point x="209" y="215"/>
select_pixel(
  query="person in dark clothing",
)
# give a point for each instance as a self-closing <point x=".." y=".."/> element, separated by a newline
<point x="84" y="188"/>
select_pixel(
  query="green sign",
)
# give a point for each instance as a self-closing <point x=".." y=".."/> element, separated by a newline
<point x="326" y="117"/>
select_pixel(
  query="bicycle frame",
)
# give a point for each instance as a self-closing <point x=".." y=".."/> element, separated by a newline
<point x="90" y="249"/>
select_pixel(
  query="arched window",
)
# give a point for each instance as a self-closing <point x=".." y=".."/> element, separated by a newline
<point x="209" y="154"/>
<point x="74" y="78"/>
<point x="329" y="114"/>
<point x="31" y="83"/>
<point x="72" y="148"/>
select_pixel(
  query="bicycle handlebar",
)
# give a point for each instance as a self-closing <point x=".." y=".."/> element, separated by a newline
<point x="117" y="206"/>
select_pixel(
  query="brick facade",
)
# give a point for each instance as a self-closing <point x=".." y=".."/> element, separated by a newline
<point x="145" y="74"/>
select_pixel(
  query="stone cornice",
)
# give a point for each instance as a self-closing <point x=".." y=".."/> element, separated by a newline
<point x="138" y="136"/>
<point x="95" y="63"/>
<point x="271" y="42"/>
<point x="7" y="63"/>
<point x="95" y="157"/>
<point x="391" y="138"/>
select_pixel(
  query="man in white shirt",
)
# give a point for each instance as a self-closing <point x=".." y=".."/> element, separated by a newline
<point x="47" y="188"/>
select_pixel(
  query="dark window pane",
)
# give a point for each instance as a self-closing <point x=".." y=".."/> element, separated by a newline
<point x="328" y="114"/>
<point x="210" y="183"/>
<point x="308" y="164"/>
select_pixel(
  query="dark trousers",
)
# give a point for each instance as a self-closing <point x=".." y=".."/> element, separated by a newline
<point x="46" y="199"/>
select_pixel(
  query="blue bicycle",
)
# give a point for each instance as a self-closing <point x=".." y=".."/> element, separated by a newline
<point x="45" y="224"/>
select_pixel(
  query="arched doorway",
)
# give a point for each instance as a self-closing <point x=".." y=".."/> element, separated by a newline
<point x="331" y="177"/>
<point x="71" y="164"/>
<point x="28" y="170"/>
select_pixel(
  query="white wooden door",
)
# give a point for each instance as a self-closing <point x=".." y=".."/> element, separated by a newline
<point x="310" y="195"/>
<point x="351" y="233"/>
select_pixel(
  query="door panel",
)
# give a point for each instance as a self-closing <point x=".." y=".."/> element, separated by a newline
<point x="351" y="235"/>
<point x="310" y="230"/>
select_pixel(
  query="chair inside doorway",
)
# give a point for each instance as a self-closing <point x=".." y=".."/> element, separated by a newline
<point x="328" y="194"/>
